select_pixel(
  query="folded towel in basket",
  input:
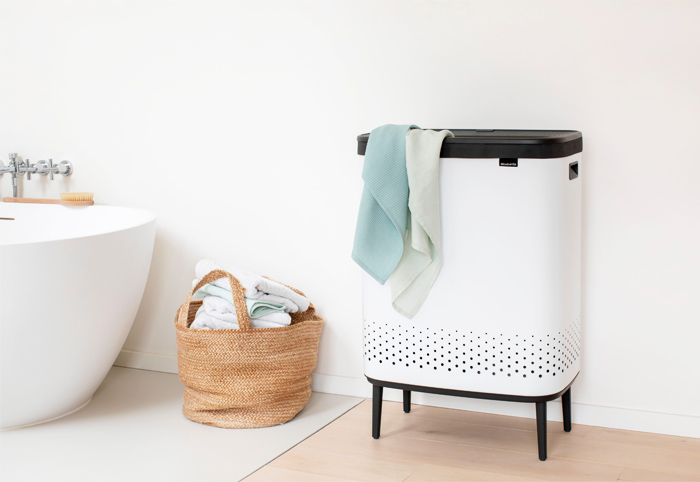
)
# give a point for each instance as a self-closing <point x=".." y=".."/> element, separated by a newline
<point x="256" y="308"/>
<point x="381" y="223"/>
<point x="218" y="314"/>
<point x="256" y="287"/>
<point x="422" y="254"/>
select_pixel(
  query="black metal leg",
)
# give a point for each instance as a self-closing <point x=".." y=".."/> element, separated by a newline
<point x="542" y="429"/>
<point x="566" y="408"/>
<point x="407" y="401"/>
<point x="377" y="392"/>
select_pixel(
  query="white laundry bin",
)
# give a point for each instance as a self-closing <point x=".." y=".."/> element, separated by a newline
<point x="503" y="319"/>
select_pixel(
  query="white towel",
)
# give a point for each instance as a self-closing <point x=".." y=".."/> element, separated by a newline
<point x="256" y="287"/>
<point x="256" y="308"/>
<point x="218" y="314"/>
<point x="422" y="255"/>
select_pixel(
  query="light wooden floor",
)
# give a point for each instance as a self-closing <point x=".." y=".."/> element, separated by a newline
<point x="438" y="444"/>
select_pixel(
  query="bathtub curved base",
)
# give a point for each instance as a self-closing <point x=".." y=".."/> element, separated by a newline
<point x="48" y="419"/>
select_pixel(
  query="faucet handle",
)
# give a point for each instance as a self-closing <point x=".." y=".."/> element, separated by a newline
<point x="65" y="168"/>
<point x="42" y="168"/>
<point x="22" y="167"/>
<point x="10" y="165"/>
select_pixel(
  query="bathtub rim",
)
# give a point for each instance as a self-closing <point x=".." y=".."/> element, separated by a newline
<point x="149" y="217"/>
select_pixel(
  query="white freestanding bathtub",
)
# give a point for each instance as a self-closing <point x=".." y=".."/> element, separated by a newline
<point x="71" y="281"/>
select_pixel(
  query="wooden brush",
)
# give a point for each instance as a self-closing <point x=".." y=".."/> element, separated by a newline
<point x="67" y="199"/>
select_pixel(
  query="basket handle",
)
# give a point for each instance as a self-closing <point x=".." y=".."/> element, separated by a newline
<point x="236" y="293"/>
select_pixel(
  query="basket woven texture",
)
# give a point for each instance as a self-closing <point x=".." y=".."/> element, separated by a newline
<point x="249" y="377"/>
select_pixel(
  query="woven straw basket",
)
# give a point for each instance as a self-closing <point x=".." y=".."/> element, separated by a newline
<point x="249" y="377"/>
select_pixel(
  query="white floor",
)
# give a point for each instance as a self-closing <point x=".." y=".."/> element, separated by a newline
<point x="134" y="430"/>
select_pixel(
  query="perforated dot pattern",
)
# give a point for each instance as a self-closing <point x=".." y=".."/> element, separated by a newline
<point x="483" y="354"/>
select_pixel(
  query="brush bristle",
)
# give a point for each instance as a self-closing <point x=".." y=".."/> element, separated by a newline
<point x="76" y="196"/>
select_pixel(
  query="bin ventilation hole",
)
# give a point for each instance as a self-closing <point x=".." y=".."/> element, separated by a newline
<point x="559" y="351"/>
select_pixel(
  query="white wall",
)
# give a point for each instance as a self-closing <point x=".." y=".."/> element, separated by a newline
<point x="236" y="123"/>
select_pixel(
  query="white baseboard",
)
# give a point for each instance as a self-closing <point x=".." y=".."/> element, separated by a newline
<point x="601" y="416"/>
<point x="146" y="361"/>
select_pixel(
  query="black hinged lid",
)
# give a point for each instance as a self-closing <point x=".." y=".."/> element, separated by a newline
<point x="493" y="143"/>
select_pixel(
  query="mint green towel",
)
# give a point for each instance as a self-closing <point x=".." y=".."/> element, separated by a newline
<point x="422" y="256"/>
<point x="256" y="309"/>
<point x="381" y="223"/>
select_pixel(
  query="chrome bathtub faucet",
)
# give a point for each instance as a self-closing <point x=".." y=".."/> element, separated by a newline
<point x="19" y="168"/>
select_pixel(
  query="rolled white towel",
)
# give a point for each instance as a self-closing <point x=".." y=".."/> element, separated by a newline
<point x="218" y="314"/>
<point x="279" y="319"/>
<point x="256" y="287"/>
